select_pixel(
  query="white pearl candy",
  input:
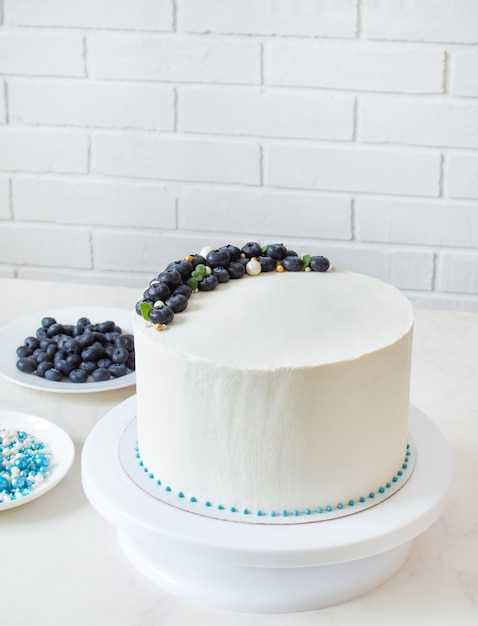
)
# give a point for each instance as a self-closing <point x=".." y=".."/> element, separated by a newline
<point x="253" y="268"/>
<point x="205" y="251"/>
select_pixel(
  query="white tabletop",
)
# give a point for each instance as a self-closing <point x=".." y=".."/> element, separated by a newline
<point x="61" y="564"/>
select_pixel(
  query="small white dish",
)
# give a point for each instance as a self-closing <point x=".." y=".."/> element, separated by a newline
<point x="14" y="334"/>
<point x="58" y="441"/>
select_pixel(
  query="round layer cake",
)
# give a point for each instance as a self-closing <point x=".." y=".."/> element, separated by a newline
<point x="277" y="392"/>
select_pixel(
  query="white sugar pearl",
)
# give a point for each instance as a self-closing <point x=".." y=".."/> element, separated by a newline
<point x="158" y="304"/>
<point x="253" y="268"/>
<point x="205" y="251"/>
<point x="208" y="270"/>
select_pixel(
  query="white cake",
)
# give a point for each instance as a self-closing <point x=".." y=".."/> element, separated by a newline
<point x="277" y="393"/>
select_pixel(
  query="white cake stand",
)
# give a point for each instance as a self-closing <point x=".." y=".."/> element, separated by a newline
<point x="263" y="568"/>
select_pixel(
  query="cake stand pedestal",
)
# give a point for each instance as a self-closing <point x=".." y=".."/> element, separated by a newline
<point x="262" y="568"/>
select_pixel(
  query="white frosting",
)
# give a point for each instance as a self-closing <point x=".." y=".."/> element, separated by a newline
<point x="281" y="391"/>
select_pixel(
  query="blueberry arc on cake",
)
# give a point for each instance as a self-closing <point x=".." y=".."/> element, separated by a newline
<point x="269" y="383"/>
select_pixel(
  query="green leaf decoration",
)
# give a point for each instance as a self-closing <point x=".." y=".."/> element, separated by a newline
<point x="306" y="260"/>
<point x="193" y="283"/>
<point x="200" y="269"/>
<point x="145" y="308"/>
<point x="264" y="248"/>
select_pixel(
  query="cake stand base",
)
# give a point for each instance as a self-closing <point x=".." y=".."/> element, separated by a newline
<point x="260" y="568"/>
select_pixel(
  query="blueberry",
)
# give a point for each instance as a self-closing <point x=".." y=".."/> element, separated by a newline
<point x="54" y="375"/>
<point x="106" y="327"/>
<point x="61" y="340"/>
<point x="48" y="321"/>
<point x="41" y="333"/>
<point x="172" y="278"/>
<point x="62" y="366"/>
<point x="105" y="363"/>
<point x="109" y="350"/>
<point x="197" y="259"/>
<point x="233" y="251"/>
<point x="221" y="274"/>
<point x="71" y="346"/>
<point x="177" y="302"/>
<point x="40" y="355"/>
<point x="74" y="359"/>
<point x="32" y="342"/>
<point x="78" y="376"/>
<point x="27" y="365"/>
<point x="217" y="258"/>
<point x="51" y="349"/>
<point x="157" y="291"/>
<point x="208" y="283"/>
<point x="112" y="336"/>
<point x="319" y="264"/>
<point x="292" y="263"/>
<point x="55" y="329"/>
<point x="68" y="329"/>
<point x="78" y="330"/>
<point x="43" y="367"/>
<point x="83" y="321"/>
<point x="236" y="269"/>
<point x="277" y="251"/>
<point x="161" y="315"/>
<point x="126" y="340"/>
<point x="23" y="351"/>
<point x="252" y="249"/>
<point x="244" y="260"/>
<point x="100" y="375"/>
<point x="86" y="339"/>
<point x="185" y="268"/>
<point x="118" y="369"/>
<point x="88" y="366"/>
<point x="267" y="263"/>
<point x="131" y="362"/>
<point x="184" y="290"/>
<point x="92" y="353"/>
<point x="120" y="355"/>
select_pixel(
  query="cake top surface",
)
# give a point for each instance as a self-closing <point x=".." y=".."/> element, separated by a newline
<point x="288" y="320"/>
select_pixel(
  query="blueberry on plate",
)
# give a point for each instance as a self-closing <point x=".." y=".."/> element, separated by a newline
<point x="43" y="367"/>
<point x="118" y="369"/>
<point x="48" y="321"/>
<point x="78" y="376"/>
<point x="100" y="374"/>
<point x="126" y="340"/>
<point x="88" y="366"/>
<point x="23" y="351"/>
<point x="27" y="365"/>
<point x="120" y="355"/>
<point x="54" y="375"/>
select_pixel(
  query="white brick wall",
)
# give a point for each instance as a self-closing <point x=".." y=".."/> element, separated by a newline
<point x="132" y="133"/>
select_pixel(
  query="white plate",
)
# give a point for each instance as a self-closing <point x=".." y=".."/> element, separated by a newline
<point x="60" y="444"/>
<point x="14" y="334"/>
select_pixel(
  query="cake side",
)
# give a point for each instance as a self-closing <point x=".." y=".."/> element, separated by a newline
<point x="284" y="393"/>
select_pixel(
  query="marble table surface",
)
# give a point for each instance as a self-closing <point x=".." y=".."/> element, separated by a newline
<point x="61" y="564"/>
